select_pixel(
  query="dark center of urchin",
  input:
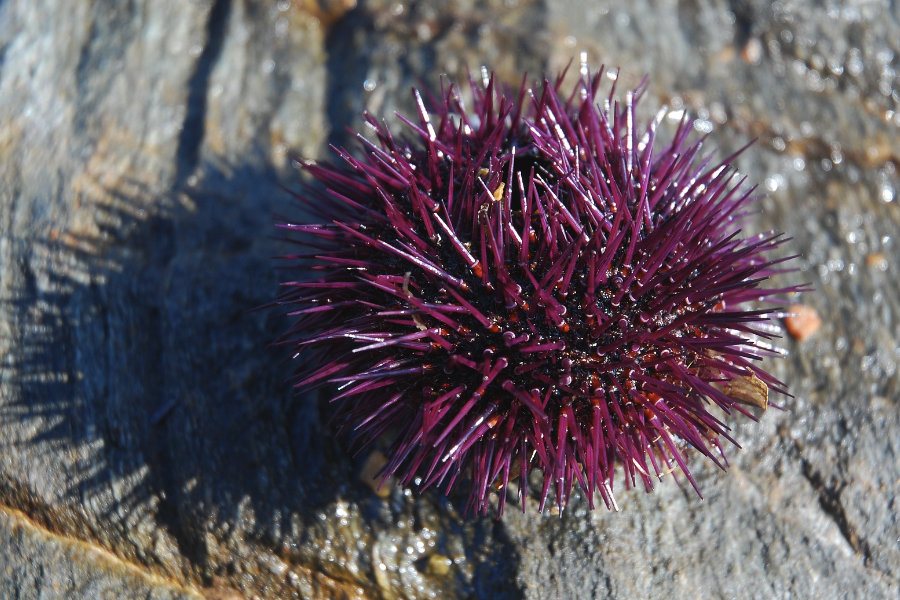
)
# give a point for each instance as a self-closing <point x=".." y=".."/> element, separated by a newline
<point x="572" y="356"/>
<point x="588" y="344"/>
<point x="537" y="288"/>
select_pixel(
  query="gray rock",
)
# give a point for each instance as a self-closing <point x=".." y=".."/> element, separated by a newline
<point x="149" y="444"/>
<point x="39" y="564"/>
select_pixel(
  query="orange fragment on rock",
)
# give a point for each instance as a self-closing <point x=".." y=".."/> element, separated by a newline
<point x="802" y="322"/>
<point x="877" y="260"/>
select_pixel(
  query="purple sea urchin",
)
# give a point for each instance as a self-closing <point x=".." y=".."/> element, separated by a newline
<point x="532" y="285"/>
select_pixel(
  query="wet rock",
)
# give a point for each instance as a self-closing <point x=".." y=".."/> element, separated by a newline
<point x="150" y="445"/>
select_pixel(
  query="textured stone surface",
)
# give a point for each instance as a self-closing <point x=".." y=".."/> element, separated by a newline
<point x="149" y="445"/>
<point x="39" y="564"/>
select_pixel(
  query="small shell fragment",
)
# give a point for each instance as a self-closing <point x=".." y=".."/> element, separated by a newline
<point x="749" y="389"/>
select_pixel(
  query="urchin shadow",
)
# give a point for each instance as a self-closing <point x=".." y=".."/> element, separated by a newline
<point x="138" y="364"/>
<point x="142" y="366"/>
<point x="61" y="403"/>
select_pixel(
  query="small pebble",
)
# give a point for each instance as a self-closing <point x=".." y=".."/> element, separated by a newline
<point x="802" y="322"/>
<point x="753" y="51"/>
<point x="369" y="475"/>
<point x="438" y="565"/>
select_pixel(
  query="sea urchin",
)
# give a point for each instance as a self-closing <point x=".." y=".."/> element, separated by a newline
<point x="531" y="286"/>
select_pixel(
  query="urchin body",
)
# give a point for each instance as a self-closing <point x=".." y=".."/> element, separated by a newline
<point x="530" y="286"/>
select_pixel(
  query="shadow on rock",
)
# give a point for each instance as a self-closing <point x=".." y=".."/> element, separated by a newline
<point x="167" y="431"/>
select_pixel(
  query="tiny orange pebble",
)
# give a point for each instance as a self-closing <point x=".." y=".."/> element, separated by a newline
<point x="877" y="260"/>
<point x="802" y="322"/>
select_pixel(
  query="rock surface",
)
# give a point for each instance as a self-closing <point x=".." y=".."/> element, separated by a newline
<point x="149" y="446"/>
